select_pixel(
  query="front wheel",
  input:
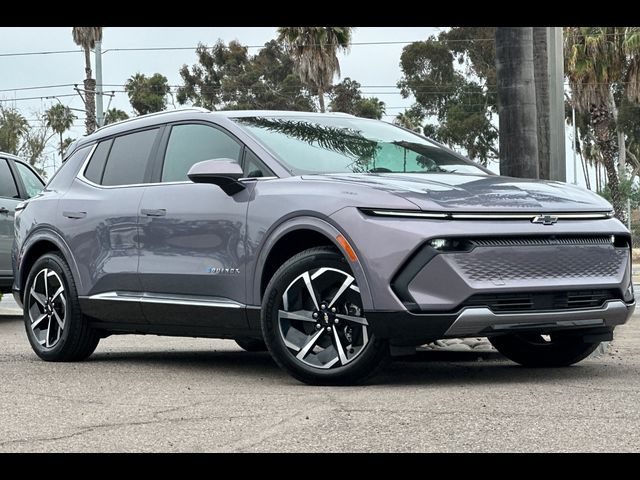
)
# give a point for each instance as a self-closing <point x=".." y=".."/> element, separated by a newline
<point x="314" y="324"/>
<point x="532" y="350"/>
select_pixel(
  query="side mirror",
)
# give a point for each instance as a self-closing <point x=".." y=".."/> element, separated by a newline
<point x="223" y="172"/>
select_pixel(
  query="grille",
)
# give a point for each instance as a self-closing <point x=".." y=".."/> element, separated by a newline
<point x="533" y="241"/>
<point x="552" y="262"/>
<point x="518" y="302"/>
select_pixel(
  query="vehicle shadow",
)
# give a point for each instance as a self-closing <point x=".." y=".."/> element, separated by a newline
<point x="428" y="368"/>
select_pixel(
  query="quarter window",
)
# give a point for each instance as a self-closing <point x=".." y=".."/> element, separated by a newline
<point x="127" y="162"/>
<point x="190" y="144"/>
<point x="95" y="169"/>
<point x="8" y="187"/>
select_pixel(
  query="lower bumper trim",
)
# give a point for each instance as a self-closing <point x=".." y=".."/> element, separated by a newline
<point x="406" y="328"/>
<point x="473" y="321"/>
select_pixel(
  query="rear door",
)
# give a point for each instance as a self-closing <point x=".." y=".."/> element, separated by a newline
<point x="9" y="198"/>
<point x="192" y="252"/>
<point x="98" y="217"/>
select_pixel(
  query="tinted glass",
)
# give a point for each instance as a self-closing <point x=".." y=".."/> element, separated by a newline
<point x="253" y="167"/>
<point x="96" y="164"/>
<point x="32" y="183"/>
<point x="7" y="184"/>
<point x="128" y="158"/>
<point x="353" y="145"/>
<point x="190" y="144"/>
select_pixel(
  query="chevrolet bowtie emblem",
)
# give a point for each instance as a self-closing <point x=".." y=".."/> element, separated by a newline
<point x="545" y="219"/>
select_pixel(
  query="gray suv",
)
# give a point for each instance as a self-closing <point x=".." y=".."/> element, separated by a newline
<point x="330" y="240"/>
<point x="18" y="181"/>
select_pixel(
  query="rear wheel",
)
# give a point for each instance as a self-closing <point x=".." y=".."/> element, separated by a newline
<point x="314" y="324"/>
<point x="532" y="350"/>
<point x="55" y="326"/>
<point x="251" y="344"/>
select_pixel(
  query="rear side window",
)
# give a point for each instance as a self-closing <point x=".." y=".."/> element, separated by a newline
<point x="95" y="169"/>
<point x="190" y="144"/>
<point x="8" y="187"/>
<point x="128" y="158"/>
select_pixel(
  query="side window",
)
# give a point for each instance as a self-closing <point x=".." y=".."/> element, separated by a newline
<point x="253" y="166"/>
<point x="32" y="182"/>
<point x="95" y="169"/>
<point x="127" y="162"/>
<point x="8" y="186"/>
<point x="190" y="144"/>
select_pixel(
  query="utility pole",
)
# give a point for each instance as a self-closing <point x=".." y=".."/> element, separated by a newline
<point x="99" y="112"/>
<point x="558" y="167"/>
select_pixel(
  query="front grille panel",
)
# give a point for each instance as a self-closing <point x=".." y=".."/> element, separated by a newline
<point x="522" y="302"/>
<point x="498" y="265"/>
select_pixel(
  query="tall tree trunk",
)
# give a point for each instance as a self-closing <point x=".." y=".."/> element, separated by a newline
<point x="541" y="78"/>
<point x="87" y="63"/>
<point x="603" y="122"/>
<point x="89" y="95"/>
<point x="516" y="102"/>
<point x="321" y="99"/>
<point x="90" y="105"/>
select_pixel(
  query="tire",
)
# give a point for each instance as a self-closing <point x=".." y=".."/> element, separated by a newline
<point x="532" y="350"/>
<point x="307" y="348"/>
<point x="43" y="319"/>
<point x="251" y="344"/>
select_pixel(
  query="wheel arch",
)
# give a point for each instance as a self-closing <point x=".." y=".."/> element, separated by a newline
<point x="38" y="244"/>
<point x="302" y="233"/>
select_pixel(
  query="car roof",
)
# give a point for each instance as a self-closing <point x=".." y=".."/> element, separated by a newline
<point x="192" y="113"/>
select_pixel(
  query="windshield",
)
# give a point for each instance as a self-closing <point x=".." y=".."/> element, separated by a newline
<point x="318" y="144"/>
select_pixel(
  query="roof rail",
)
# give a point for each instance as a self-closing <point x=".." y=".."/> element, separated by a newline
<point x="155" y="114"/>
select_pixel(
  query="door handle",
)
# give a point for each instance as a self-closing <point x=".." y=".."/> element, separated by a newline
<point x="74" y="215"/>
<point x="159" y="212"/>
<point x="4" y="210"/>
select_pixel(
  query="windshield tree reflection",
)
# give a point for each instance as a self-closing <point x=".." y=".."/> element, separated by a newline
<point x="351" y="145"/>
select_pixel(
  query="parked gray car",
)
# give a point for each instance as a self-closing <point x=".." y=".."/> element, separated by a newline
<point x="18" y="181"/>
<point x="331" y="240"/>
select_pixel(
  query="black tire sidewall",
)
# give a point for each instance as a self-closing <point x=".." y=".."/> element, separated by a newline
<point x="354" y="372"/>
<point x="563" y="351"/>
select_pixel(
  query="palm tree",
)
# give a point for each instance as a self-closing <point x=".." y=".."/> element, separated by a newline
<point x="314" y="50"/>
<point x="13" y="128"/>
<point x="114" y="115"/>
<point x="516" y="102"/>
<point x="86" y="37"/>
<point x="60" y="119"/>
<point x="603" y="67"/>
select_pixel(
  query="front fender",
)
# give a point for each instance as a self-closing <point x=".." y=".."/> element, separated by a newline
<point x="308" y="223"/>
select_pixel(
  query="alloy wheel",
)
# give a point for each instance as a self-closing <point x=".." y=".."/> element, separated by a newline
<point x="47" y="307"/>
<point x="321" y="320"/>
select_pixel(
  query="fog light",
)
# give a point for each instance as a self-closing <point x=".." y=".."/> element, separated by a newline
<point x="438" y="243"/>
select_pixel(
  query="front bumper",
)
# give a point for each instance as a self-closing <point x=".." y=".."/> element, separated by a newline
<point x="406" y="328"/>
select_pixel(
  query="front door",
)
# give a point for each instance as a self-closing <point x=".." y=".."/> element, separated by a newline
<point x="9" y="198"/>
<point x="192" y="252"/>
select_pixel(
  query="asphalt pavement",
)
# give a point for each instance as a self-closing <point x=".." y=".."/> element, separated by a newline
<point x="162" y="394"/>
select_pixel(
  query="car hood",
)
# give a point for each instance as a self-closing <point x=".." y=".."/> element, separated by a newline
<point x="476" y="193"/>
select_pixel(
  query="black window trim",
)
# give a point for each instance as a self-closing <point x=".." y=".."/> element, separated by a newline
<point x="16" y="180"/>
<point x="150" y="159"/>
